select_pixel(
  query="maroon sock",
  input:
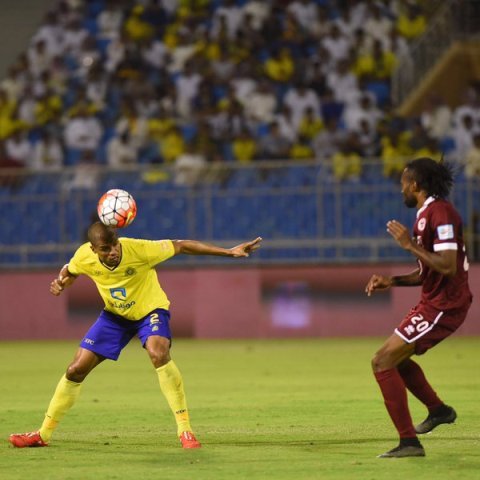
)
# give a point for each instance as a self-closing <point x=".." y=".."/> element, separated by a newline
<point x="395" y="396"/>
<point x="415" y="381"/>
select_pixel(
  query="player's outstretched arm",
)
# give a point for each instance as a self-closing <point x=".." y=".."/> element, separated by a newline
<point x="194" y="247"/>
<point x="64" y="280"/>
<point x="380" y="282"/>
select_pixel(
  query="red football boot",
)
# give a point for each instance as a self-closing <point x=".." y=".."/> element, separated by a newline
<point x="189" y="441"/>
<point x="31" y="439"/>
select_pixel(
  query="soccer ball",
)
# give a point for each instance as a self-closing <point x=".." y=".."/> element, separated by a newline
<point x="116" y="208"/>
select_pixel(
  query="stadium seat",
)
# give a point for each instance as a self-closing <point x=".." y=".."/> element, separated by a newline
<point x="381" y="90"/>
<point x="93" y="8"/>
<point x="102" y="45"/>
<point x="72" y="156"/>
<point x="447" y="145"/>
<point x="188" y="132"/>
<point x="90" y="24"/>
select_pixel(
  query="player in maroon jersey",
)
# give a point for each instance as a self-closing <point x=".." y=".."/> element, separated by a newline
<point x="442" y="272"/>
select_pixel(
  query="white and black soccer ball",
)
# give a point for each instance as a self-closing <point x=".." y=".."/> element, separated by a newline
<point x="117" y="208"/>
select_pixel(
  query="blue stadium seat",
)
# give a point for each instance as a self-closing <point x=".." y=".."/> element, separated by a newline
<point x="72" y="156"/>
<point x="381" y="90"/>
<point x="219" y="92"/>
<point x="94" y="7"/>
<point x="90" y="24"/>
<point x="188" y="131"/>
<point x="262" y="129"/>
<point x="447" y="145"/>
<point x="70" y="62"/>
<point x="102" y="45"/>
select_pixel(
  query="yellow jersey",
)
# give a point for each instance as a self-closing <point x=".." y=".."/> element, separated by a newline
<point x="131" y="289"/>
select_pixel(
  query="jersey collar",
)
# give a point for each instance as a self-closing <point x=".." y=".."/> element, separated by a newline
<point x="427" y="202"/>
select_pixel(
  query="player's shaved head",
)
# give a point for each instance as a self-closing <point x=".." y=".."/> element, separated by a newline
<point x="100" y="233"/>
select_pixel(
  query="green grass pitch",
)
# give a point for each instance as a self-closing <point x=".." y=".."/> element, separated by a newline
<point x="273" y="409"/>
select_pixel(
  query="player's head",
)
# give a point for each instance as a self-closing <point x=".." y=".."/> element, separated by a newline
<point x="426" y="176"/>
<point x="104" y="242"/>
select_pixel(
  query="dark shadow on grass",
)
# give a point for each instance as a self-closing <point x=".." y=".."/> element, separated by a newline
<point x="325" y="441"/>
<point x="450" y="439"/>
<point x="297" y="443"/>
<point x="114" y="447"/>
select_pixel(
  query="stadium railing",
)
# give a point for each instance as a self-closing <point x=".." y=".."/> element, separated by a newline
<point x="304" y="215"/>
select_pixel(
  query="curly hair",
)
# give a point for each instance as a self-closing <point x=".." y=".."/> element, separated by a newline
<point x="435" y="178"/>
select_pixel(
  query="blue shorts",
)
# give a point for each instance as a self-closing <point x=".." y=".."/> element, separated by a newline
<point x="110" y="334"/>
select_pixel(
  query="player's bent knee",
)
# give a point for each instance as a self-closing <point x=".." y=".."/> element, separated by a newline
<point x="375" y="363"/>
<point x="159" y="357"/>
<point x="381" y="362"/>
<point x="77" y="373"/>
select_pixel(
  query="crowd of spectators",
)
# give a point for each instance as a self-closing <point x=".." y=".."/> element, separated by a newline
<point x="191" y="82"/>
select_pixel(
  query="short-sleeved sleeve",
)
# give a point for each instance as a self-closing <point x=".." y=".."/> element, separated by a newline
<point x="76" y="264"/>
<point x="158" y="251"/>
<point x="445" y="226"/>
<point x="73" y="267"/>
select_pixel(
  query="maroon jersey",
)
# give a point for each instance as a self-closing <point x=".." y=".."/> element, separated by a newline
<point x="439" y="227"/>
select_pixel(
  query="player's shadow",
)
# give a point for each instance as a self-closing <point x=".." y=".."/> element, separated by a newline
<point x="281" y="442"/>
<point x="299" y="443"/>
<point x="327" y="441"/>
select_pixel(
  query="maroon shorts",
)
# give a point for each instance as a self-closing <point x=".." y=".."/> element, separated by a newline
<point x="426" y="326"/>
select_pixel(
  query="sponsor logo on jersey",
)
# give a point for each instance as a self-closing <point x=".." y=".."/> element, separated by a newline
<point x="445" y="232"/>
<point x="130" y="271"/>
<point x="122" y="306"/>
<point x="421" y="224"/>
<point x="118" y="293"/>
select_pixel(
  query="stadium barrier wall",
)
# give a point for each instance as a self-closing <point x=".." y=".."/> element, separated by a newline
<point x="268" y="302"/>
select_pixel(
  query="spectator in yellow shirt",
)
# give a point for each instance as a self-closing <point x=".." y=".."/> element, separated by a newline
<point x="7" y="105"/>
<point x="160" y="125"/>
<point x="347" y="163"/>
<point x="310" y="124"/>
<point x="47" y="108"/>
<point x="395" y="155"/>
<point x="81" y="102"/>
<point x="244" y="147"/>
<point x="280" y="67"/>
<point x="8" y="108"/>
<point x="377" y="65"/>
<point x="431" y="149"/>
<point x="172" y="145"/>
<point x="207" y="47"/>
<point x="411" y="24"/>
<point x="135" y="27"/>
<point x="301" y="149"/>
<point x="196" y="9"/>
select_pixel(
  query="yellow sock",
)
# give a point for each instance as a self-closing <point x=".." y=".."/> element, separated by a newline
<point x="171" y="384"/>
<point x="63" y="399"/>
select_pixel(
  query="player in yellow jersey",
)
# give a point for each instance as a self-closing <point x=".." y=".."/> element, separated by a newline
<point x="123" y="270"/>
